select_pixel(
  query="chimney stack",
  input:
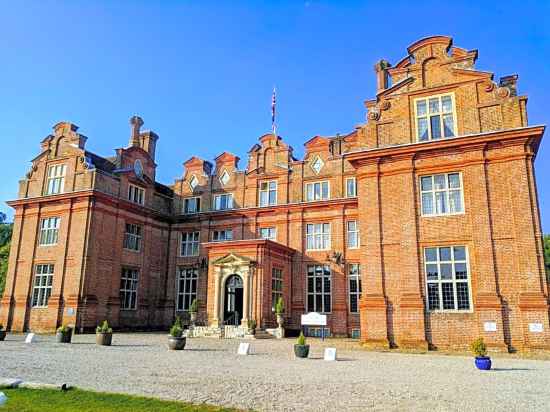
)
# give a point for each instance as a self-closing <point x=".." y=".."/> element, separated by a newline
<point x="136" y="123"/>
<point x="381" y="75"/>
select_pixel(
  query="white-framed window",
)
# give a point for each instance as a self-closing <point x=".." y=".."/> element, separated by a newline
<point x="222" y="235"/>
<point x="223" y="202"/>
<point x="132" y="237"/>
<point x="276" y="286"/>
<point x="318" y="236"/>
<point x="268" y="193"/>
<point x="351" y="187"/>
<point x="43" y="281"/>
<point x="136" y="194"/>
<point x="56" y="179"/>
<point x="191" y="205"/>
<point x="319" y="282"/>
<point x="353" y="234"/>
<point x="189" y="244"/>
<point x="49" y="231"/>
<point x="355" y="289"/>
<point x="435" y="117"/>
<point x="317" y="191"/>
<point x="187" y="287"/>
<point x="269" y="233"/>
<point x="441" y="194"/>
<point x="447" y="278"/>
<point x="128" y="288"/>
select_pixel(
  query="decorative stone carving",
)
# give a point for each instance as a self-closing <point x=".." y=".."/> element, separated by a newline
<point x="385" y="105"/>
<point x="374" y="114"/>
<point x="489" y="86"/>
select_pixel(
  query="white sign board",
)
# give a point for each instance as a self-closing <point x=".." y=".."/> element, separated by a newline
<point x="535" y="327"/>
<point x="314" y="319"/>
<point x="244" y="348"/>
<point x="490" y="326"/>
<point x="330" y="354"/>
<point x="30" y="338"/>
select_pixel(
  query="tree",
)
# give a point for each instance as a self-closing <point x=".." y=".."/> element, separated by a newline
<point x="547" y="253"/>
<point x="5" y="240"/>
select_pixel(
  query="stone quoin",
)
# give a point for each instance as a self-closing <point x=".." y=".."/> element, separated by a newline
<point x="419" y="228"/>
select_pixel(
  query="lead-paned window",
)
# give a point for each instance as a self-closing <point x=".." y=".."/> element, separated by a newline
<point x="318" y="236"/>
<point x="441" y="194"/>
<point x="317" y="191"/>
<point x="319" y="282"/>
<point x="43" y="281"/>
<point x="189" y="244"/>
<point x="132" y="237"/>
<point x="447" y="278"/>
<point x="355" y="289"/>
<point x="136" y="194"/>
<point x="191" y="205"/>
<point x="56" y="179"/>
<point x="268" y="193"/>
<point x="128" y="288"/>
<point x="49" y="231"/>
<point x="187" y="286"/>
<point x="276" y="286"/>
<point x="435" y="117"/>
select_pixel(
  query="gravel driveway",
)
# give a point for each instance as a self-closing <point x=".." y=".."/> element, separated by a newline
<point x="209" y="370"/>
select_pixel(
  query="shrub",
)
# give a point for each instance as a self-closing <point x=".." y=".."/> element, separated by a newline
<point x="63" y="329"/>
<point x="104" y="328"/>
<point x="479" y="348"/>
<point x="177" y="328"/>
<point x="251" y="324"/>
<point x="301" y="339"/>
<point x="280" y="306"/>
<point x="194" y="306"/>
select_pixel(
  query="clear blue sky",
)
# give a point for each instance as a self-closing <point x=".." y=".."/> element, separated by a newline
<point x="201" y="73"/>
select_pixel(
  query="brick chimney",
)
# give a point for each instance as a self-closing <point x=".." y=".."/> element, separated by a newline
<point x="381" y="75"/>
<point x="136" y="123"/>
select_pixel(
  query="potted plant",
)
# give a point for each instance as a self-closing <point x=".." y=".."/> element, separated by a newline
<point x="301" y="350"/>
<point x="251" y="326"/>
<point x="2" y="332"/>
<point x="483" y="362"/>
<point x="64" y="334"/>
<point x="193" y="311"/>
<point x="279" y="309"/>
<point x="104" y="334"/>
<point x="176" y="340"/>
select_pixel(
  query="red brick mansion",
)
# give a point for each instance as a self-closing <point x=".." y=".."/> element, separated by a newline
<point x="419" y="228"/>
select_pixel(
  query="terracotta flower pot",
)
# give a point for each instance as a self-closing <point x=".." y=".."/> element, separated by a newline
<point x="104" y="339"/>
<point x="175" y="343"/>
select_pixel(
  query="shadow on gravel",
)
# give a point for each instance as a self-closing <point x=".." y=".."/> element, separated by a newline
<point x="204" y="350"/>
<point x="509" y="369"/>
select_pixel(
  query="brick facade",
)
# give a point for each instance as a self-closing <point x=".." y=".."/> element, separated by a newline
<point x="493" y="231"/>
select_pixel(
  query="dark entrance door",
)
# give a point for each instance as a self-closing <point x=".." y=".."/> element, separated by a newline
<point x="233" y="312"/>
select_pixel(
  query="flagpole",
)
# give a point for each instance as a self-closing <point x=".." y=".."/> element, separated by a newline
<point x="273" y="103"/>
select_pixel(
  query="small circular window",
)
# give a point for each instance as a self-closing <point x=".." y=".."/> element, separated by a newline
<point x="138" y="168"/>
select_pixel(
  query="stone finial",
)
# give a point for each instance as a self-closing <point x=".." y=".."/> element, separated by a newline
<point x="136" y="123"/>
<point x="381" y="68"/>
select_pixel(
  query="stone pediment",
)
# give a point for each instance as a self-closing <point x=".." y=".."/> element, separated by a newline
<point x="232" y="260"/>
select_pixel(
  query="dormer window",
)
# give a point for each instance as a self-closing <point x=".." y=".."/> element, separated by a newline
<point x="435" y="117"/>
<point x="56" y="180"/>
<point x="317" y="165"/>
<point x="224" y="178"/>
<point x="194" y="182"/>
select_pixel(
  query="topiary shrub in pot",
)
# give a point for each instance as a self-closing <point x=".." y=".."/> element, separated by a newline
<point x="176" y="340"/>
<point x="64" y="334"/>
<point x="2" y="333"/>
<point x="104" y="334"/>
<point x="483" y="362"/>
<point x="301" y="350"/>
<point x="193" y="308"/>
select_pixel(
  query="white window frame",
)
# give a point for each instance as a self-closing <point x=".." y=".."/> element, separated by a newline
<point x="440" y="113"/>
<point x="216" y="235"/>
<point x="271" y="233"/>
<point x="217" y="203"/>
<point x="43" y="283"/>
<point x="276" y="285"/>
<point x="354" y="276"/>
<point x="453" y="280"/>
<point x="196" y="200"/>
<point x="317" y="238"/>
<point x="314" y="198"/>
<point x="188" y="279"/>
<point x="129" y="282"/>
<point x="55" y="181"/>
<point x="446" y="192"/>
<point x="136" y="194"/>
<point x="49" y="231"/>
<point x="267" y="201"/>
<point x="323" y="293"/>
<point x="348" y="179"/>
<point x="132" y="237"/>
<point x="350" y="232"/>
<point x="189" y="244"/>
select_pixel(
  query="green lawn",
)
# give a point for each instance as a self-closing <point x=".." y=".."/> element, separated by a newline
<point x="46" y="400"/>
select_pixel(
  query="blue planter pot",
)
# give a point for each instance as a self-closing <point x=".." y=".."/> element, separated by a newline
<point x="483" y="363"/>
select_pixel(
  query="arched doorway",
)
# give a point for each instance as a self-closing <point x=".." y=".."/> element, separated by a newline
<point x="233" y="311"/>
